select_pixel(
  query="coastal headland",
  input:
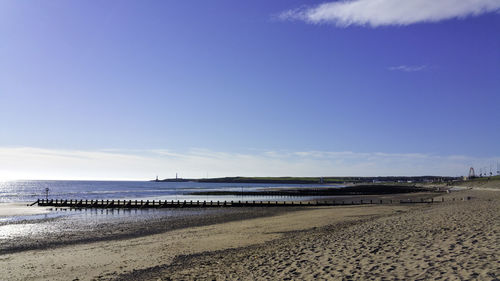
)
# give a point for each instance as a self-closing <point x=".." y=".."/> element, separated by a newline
<point x="314" y="180"/>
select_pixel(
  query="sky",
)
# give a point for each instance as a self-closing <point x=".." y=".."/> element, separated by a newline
<point x="134" y="89"/>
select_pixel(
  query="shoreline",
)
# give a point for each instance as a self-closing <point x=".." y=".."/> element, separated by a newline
<point x="72" y="233"/>
<point x="105" y="260"/>
<point x="107" y="231"/>
<point x="238" y="246"/>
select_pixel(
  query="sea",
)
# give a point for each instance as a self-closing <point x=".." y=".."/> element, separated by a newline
<point x="29" y="191"/>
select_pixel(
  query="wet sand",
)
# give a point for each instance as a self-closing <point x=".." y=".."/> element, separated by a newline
<point x="79" y="226"/>
<point x="455" y="240"/>
<point x="20" y="209"/>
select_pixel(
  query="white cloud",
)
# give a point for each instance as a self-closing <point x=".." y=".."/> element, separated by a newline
<point x="390" y="12"/>
<point x="39" y="163"/>
<point x="408" y="68"/>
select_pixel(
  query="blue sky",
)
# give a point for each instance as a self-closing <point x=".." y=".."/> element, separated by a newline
<point x="286" y="87"/>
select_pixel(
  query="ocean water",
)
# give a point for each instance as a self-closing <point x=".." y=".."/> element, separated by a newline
<point x="28" y="191"/>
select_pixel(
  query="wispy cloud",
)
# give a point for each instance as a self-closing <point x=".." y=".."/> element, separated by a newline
<point x="390" y="12"/>
<point x="40" y="163"/>
<point x="408" y="68"/>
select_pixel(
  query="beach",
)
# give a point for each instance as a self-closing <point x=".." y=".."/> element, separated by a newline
<point x="450" y="240"/>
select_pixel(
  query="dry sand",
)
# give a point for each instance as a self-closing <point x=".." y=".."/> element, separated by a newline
<point x="450" y="241"/>
<point x="447" y="241"/>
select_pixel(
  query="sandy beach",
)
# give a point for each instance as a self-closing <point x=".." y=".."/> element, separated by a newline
<point x="451" y="240"/>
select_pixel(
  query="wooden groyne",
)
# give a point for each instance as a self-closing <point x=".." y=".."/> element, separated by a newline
<point x="138" y="204"/>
